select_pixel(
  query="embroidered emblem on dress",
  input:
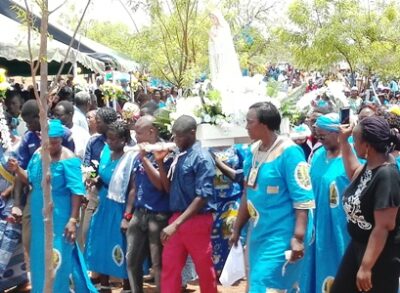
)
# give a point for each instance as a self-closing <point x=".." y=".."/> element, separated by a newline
<point x="57" y="260"/>
<point x="352" y="205"/>
<point x="333" y="195"/>
<point x="302" y="176"/>
<point x="327" y="284"/>
<point x="254" y="214"/>
<point x="118" y="255"/>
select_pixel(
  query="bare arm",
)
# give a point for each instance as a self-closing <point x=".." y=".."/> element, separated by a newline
<point x="76" y="204"/>
<point x="301" y="224"/>
<point x="14" y="166"/>
<point x="129" y="204"/>
<point x="8" y="191"/>
<point x="350" y="160"/>
<point x="385" y="221"/>
<point x="70" y="227"/>
<point x="193" y="209"/>
<point x="242" y="218"/>
<point x="159" y="157"/>
<point x="131" y="194"/>
<point x="152" y="173"/>
<point x="17" y="192"/>
<point x="297" y="241"/>
<point x="225" y="169"/>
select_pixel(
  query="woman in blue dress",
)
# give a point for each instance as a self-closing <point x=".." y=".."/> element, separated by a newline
<point x="106" y="242"/>
<point x="278" y="197"/>
<point x="67" y="191"/>
<point x="329" y="180"/>
<point x="228" y="191"/>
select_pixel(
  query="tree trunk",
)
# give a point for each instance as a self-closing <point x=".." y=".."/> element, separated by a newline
<point x="43" y="107"/>
<point x="41" y="99"/>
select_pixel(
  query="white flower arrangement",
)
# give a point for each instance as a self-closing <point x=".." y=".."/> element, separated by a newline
<point x="4" y="128"/>
<point x="90" y="172"/>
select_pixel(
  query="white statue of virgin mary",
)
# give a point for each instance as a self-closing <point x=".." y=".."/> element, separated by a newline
<point x="238" y="93"/>
<point x="224" y="63"/>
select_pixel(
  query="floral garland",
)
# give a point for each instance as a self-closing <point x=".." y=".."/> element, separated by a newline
<point x="4" y="131"/>
<point x="5" y="137"/>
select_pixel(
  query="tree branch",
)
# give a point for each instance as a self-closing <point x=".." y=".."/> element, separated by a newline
<point x="70" y="44"/>
<point x="58" y="7"/>
<point x="130" y="16"/>
<point x="34" y="68"/>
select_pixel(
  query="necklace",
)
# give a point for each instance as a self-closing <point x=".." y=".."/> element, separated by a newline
<point x="258" y="159"/>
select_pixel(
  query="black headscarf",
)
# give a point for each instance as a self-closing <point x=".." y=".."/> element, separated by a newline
<point x="376" y="131"/>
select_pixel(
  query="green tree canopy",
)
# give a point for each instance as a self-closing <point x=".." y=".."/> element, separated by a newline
<point x="324" y="32"/>
<point x="174" y="46"/>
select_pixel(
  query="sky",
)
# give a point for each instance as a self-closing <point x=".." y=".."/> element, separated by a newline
<point x="107" y="10"/>
<point x="113" y="11"/>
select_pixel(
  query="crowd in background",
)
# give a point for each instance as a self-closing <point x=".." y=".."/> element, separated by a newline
<point x="318" y="209"/>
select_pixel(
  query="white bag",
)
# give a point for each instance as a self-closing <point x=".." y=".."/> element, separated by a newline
<point x="234" y="268"/>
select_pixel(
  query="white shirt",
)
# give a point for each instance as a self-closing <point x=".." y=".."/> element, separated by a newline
<point x="81" y="138"/>
<point x="79" y="119"/>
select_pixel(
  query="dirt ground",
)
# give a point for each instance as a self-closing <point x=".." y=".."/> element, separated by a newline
<point x="239" y="288"/>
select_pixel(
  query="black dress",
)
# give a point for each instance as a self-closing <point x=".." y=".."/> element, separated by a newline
<point x="372" y="190"/>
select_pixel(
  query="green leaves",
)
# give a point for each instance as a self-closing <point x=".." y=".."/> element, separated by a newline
<point x="322" y="33"/>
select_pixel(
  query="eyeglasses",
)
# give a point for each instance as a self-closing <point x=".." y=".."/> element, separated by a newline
<point x="322" y="136"/>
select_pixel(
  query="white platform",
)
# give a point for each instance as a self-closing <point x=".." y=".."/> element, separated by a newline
<point x="214" y="136"/>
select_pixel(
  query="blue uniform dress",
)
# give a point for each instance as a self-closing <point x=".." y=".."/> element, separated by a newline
<point x="282" y="185"/>
<point x="106" y="244"/>
<point x="66" y="180"/>
<point x="227" y="201"/>
<point x="329" y="180"/>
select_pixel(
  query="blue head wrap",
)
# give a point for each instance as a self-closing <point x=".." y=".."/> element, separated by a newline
<point x="329" y="122"/>
<point x="56" y="129"/>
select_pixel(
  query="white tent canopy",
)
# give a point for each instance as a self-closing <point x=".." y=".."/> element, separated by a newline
<point x="14" y="46"/>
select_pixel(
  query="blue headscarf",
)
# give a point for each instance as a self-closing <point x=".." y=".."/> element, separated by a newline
<point x="56" y="129"/>
<point x="329" y="122"/>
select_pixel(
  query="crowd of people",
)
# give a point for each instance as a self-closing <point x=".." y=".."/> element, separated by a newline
<point x="316" y="211"/>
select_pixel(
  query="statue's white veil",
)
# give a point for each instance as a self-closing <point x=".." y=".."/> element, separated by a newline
<point x="224" y="63"/>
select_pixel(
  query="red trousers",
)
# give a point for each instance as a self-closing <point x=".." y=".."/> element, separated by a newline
<point x="194" y="238"/>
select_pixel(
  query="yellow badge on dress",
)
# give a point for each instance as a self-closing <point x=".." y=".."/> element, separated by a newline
<point x="57" y="259"/>
<point x="327" y="284"/>
<point x="302" y="175"/>
<point x="272" y="189"/>
<point x="253" y="212"/>
<point x="333" y="195"/>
